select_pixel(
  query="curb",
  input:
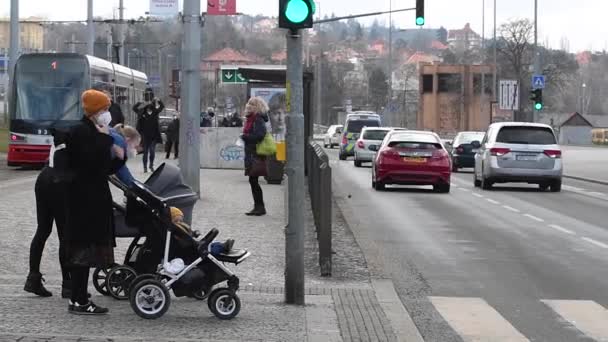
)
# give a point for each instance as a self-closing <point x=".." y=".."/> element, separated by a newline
<point x="589" y="180"/>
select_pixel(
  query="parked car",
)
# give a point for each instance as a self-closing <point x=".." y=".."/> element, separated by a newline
<point x="332" y="136"/>
<point x="462" y="151"/>
<point x="370" y="136"/>
<point x="412" y="158"/>
<point x="519" y="152"/>
<point x="352" y="129"/>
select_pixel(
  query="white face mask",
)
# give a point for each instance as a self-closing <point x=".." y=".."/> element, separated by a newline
<point x="104" y="119"/>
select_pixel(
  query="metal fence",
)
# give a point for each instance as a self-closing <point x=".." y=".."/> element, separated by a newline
<point x="319" y="187"/>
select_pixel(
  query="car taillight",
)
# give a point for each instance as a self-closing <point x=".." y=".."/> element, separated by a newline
<point x="390" y="154"/>
<point x="460" y="149"/>
<point x="344" y="140"/>
<point x="553" y="153"/>
<point x="440" y="154"/>
<point x="360" y="144"/>
<point x="499" y="151"/>
<point x="15" y="137"/>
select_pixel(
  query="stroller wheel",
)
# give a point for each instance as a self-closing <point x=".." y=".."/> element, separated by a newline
<point x="99" y="279"/>
<point x="224" y="303"/>
<point x="119" y="280"/>
<point x="149" y="298"/>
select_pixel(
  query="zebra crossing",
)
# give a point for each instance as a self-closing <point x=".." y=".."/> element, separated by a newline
<point x="475" y="320"/>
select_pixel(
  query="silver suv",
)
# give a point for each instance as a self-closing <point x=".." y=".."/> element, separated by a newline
<point x="369" y="136"/>
<point x="519" y="152"/>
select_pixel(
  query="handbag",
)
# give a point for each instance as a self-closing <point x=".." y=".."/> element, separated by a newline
<point x="258" y="168"/>
<point x="266" y="147"/>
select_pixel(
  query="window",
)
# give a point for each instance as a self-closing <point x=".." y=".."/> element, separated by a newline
<point x="467" y="138"/>
<point x="526" y="135"/>
<point x="449" y="83"/>
<point x="374" y="134"/>
<point x="487" y="83"/>
<point x="414" y="145"/>
<point x="356" y="126"/>
<point x="427" y="83"/>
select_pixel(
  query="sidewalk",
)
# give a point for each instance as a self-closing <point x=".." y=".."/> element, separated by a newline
<point x="344" y="307"/>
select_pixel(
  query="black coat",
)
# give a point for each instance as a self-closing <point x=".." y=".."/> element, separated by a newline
<point x="253" y="138"/>
<point x="173" y="131"/>
<point x="147" y="123"/>
<point x="117" y="116"/>
<point x="90" y="224"/>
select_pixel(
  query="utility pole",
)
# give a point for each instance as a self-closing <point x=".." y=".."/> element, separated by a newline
<point x="90" y="30"/>
<point x="121" y="32"/>
<point x="536" y="53"/>
<point x="294" y="239"/>
<point x="14" y="43"/>
<point x="191" y="96"/>
<point x="390" y="58"/>
<point x="483" y="54"/>
<point x="495" y="76"/>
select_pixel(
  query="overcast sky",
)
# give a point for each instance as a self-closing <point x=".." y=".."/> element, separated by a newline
<point x="557" y="18"/>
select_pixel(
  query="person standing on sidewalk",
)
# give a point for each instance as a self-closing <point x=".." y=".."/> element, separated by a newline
<point x="90" y="228"/>
<point x="254" y="132"/>
<point x="149" y="128"/>
<point x="50" y="206"/>
<point x="173" y="138"/>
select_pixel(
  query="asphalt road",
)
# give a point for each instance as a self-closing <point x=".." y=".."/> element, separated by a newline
<point x="511" y="264"/>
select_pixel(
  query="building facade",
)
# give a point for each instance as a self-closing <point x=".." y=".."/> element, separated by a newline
<point x="31" y="37"/>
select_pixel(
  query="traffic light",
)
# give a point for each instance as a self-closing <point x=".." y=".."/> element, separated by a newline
<point x="296" y="14"/>
<point x="420" y="12"/>
<point x="537" y="97"/>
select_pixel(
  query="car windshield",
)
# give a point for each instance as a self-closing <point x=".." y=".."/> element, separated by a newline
<point x="375" y="134"/>
<point x="355" y="126"/>
<point x="467" y="138"/>
<point x="49" y="89"/>
<point x="526" y="135"/>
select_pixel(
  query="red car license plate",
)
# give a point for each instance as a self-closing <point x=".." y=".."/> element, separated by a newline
<point x="414" y="160"/>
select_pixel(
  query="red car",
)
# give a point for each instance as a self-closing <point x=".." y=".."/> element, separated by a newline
<point x="412" y="158"/>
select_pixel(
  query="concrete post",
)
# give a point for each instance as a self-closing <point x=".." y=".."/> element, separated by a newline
<point x="90" y="30"/>
<point x="14" y="47"/>
<point x="189" y="154"/>
<point x="294" y="234"/>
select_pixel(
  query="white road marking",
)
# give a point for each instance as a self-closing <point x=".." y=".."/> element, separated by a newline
<point x="561" y="229"/>
<point x="511" y="209"/>
<point x="572" y="188"/>
<point x="595" y="242"/>
<point x="492" y="201"/>
<point x="477" y="195"/>
<point x="597" y="194"/>
<point x="475" y="320"/>
<point x="463" y="189"/>
<point x="534" y="218"/>
<point x="587" y="316"/>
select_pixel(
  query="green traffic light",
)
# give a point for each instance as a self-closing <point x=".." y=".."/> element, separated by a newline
<point x="538" y="106"/>
<point x="420" y="21"/>
<point x="297" y="11"/>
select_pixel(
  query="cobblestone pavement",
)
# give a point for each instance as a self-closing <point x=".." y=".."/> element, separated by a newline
<point x="343" y="305"/>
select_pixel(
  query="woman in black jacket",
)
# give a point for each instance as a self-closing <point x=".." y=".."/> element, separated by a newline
<point x="89" y="235"/>
<point x="254" y="132"/>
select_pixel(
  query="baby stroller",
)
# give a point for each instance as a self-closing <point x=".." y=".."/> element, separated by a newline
<point x="133" y="221"/>
<point x="149" y="293"/>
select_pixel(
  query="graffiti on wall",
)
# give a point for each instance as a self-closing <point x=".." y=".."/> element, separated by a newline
<point x="232" y="153"/>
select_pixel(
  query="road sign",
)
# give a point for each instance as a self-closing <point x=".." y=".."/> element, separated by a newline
<point x="538" y="82"/>
<point x="154" y="80"/>
<point x="509" y="95"/>
<point x="232" y="76"/>
<point x="163" y="8"/>
<point x="221" y="7"/>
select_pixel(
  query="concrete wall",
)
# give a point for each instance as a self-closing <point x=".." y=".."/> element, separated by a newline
<point x="219" y="149"/>
<point x="575" y="135"/>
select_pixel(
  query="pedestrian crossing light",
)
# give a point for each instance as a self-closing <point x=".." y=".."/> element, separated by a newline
<point x="537" y="97"/>
<point x="420" y="12"/>
<point x="296" y="14"/>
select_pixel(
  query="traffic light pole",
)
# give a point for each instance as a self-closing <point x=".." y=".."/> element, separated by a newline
<point x="294" y="234"/>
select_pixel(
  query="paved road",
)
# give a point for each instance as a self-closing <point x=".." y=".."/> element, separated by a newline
<point x="512" y="264"/>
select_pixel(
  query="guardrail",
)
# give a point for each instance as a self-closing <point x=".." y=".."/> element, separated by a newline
<point x="319" y="188"/>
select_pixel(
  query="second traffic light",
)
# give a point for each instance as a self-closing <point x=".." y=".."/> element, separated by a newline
<point x="420" y="12"/>
<point x="296" y="14"/>
<point x="537" y="97"/>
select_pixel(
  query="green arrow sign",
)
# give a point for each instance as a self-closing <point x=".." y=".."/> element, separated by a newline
<point x="232" y="76"/>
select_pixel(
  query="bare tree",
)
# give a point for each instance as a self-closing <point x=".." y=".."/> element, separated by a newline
<point x="515" y="46"/>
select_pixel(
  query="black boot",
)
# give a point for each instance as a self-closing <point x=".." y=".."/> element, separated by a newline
<point x="33" y="284"/>
<point x="259" y="210"/>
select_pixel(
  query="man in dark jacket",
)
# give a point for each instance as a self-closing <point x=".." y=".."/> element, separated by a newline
<point x="115" y="111"/>
<point x="149" y="128"/>
<point x="235" y="121"/>
<point x="173" y="137"/>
